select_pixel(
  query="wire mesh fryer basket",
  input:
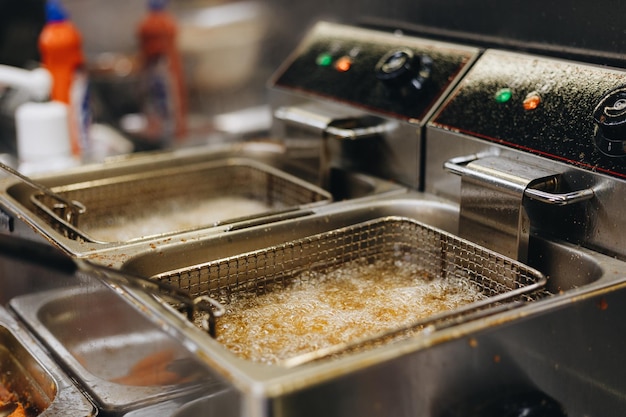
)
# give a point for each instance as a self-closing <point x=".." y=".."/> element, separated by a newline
<point x="150" y="203"/>
<point x="438" y="254"/>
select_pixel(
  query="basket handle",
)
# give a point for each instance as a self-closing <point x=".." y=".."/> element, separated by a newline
<point x="64" y="208"/>
<point x="458" y="166"/>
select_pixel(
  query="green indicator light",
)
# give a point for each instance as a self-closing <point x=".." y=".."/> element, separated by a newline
<point x="324" y="60"/>
<point x="503" y="95"/>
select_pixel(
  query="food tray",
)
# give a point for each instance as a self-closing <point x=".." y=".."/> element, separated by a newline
<point x="17" y="383"/>
<point x="432" y="253"/>
<point x="29" y="377"/>
<point x="119" y="358"/>
<point x="163" y="201"/>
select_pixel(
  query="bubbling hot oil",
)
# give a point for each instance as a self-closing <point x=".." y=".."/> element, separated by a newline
<point x="320" y="310"/>
<point x="177" y="215"/>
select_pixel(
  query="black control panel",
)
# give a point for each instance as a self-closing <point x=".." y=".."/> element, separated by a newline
<point x="561" y="110"/>
<point x="391" y="74"/>
<point x="610" y="118"/>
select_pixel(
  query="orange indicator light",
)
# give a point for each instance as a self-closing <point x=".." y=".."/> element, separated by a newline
<point x="343" y="64"/>
<point x="532" y="101"/>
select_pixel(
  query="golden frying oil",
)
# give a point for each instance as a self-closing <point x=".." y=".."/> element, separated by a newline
<point x="319" y="310"/>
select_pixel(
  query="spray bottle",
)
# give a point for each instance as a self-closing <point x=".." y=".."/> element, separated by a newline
<point x="163" y="90"/>
<point x="60" y="46"/>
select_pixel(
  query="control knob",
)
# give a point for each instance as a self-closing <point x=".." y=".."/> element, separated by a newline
<point x="610" y="118"/>
<point x="404" y="72"/>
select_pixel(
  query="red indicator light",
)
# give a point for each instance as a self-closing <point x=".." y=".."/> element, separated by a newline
<point x="532" y="101"/>
<point x="343" y="64"/>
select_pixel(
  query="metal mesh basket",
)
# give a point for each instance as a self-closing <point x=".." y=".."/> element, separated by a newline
<point x="440" y="255"/>
<point x="178" y="199"/>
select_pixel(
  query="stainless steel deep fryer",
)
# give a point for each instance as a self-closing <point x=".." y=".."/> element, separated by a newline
<point x="127" y="200"/>
<point x="440" y="255"/>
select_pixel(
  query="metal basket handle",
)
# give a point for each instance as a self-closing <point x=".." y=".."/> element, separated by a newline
<point x="68" y="210"/>
<point x="459" y="167"/>
<point x="209" y="308"/>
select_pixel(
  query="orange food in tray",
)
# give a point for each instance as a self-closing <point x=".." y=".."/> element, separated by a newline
<point x="7" y="396"/>
<point x="19" y="411"/>
<point x="152" y="370"/>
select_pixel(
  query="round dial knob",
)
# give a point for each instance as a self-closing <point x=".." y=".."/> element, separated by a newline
<point x="610" y="118"/>
<point x="403" y="71"/>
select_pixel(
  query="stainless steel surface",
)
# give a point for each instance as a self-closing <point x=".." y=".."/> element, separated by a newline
<point x="359" y="145"/>
<point x="146" y="261"/>
<point x="391" y="155"/>
<point x="341" y="138"/>
<point x="458" y="358"/>
<point x="457" y="166"/>
<point x="101" y="347"/>
<point x="29" y="373"/>
<point x="188" y="304"/>
<point x="492" y="200"/>
<point x="568" y="267"/>
<point x="224" y="403"/>
<point x="427" y="373"/>
<point x="312" y="119"/>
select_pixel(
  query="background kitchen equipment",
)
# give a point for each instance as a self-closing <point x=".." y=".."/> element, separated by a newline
<point x="271" y="29"/>
<point x="383" y="88"/>
<point x="268" y="31"/>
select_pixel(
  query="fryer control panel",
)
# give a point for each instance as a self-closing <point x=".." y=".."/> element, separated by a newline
<point x="387" y="73"/>
<point x="565" y="111"/>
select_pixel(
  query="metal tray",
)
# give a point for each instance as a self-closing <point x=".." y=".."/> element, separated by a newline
<point x="33" y="378"/>
<point x="435" y="254"/>
<point x="175" y="199"/>
<point x="123" y="361"/>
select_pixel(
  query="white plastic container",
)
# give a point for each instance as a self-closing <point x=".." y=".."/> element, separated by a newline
<point x="43" y="137"/>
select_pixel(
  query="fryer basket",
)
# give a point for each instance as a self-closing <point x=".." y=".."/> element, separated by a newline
<point x="175" y="193"/>
<point x="439" y="254"/>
